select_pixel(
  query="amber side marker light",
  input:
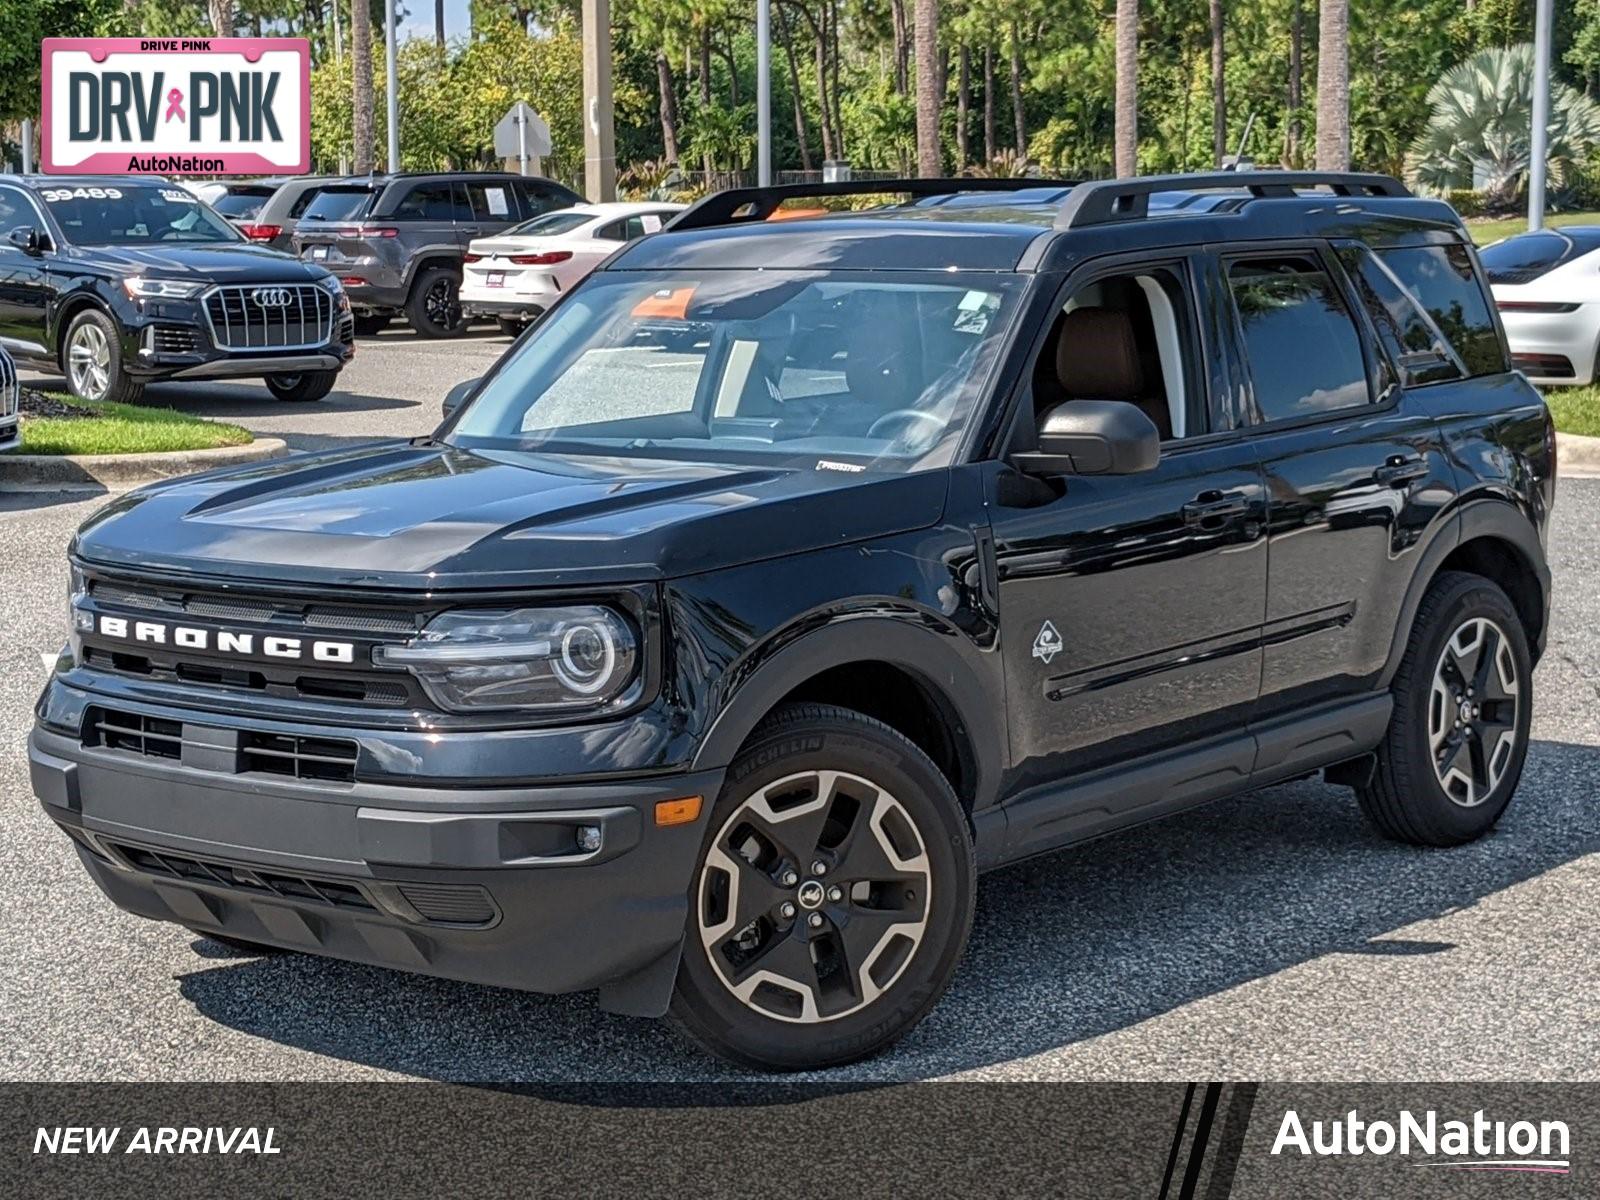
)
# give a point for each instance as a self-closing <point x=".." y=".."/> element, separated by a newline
<point x="678" y="812"/>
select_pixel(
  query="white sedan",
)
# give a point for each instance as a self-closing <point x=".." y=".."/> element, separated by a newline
<point x="516" y="275"/>
<point x="1547" y="288"/>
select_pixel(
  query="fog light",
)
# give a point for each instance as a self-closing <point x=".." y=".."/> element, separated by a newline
<point x="588" y="838"/>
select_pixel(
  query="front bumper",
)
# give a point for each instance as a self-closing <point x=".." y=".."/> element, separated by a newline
<point x="484" y="884"/>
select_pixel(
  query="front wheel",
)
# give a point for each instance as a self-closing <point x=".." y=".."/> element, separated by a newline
<point x="833" y="897"/>
<point x="1463" y="705"/>
<point x="92" y="357"/>
<point x="305" y="387"/>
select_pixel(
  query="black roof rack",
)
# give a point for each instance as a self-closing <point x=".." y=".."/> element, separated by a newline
<point x="1108" y="200"/>
<point x="724" y="208"/>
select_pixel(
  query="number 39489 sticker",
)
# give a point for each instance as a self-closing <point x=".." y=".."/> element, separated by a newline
<point x="57" y="195"/>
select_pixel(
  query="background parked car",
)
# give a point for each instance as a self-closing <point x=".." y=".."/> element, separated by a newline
<point x="1547" y="287"/>
<point x="397" y="241"/>
<point x="10" y="402"/>
<point x="516" y="275"/>
<point x="240" y="200"/>
<point x="273" y="224"/>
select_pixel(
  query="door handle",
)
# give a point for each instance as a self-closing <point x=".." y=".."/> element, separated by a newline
<point x="1211" y="509"/>
<point x="1400" y="471"/>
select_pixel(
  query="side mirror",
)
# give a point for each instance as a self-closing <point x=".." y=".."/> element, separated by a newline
<point x="1093" y="437"/>
<point x="29" y="240"/>
<point x="459" y="395"/>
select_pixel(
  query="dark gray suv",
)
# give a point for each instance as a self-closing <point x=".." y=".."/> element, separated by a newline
<point x="396" y="241"/>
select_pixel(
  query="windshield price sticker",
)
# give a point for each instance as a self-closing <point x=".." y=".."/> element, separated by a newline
<point x="193" y="106"/>
<point x="57" y="195"/>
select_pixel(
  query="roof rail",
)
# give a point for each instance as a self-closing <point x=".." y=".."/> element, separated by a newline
<point x="1106" y="201"/>
<point x="724" y="208"/>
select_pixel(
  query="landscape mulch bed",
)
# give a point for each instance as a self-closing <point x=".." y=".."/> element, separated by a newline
<point x="38" y="404"/>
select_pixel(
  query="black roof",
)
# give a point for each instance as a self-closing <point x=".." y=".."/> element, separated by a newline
<point x="1008" y="225"/>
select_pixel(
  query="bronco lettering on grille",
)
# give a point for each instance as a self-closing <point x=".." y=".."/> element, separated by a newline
<point x="225" y="641"/>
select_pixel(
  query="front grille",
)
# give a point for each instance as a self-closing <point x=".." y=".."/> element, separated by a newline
<point x="347" y="328"/>
<point x="241" y="321"/>
<point x="257" y="677"/>
<point x="286" y="886"/>
<point x="174" y="339"/>
<point x="264" y="612"/>
<point x="135" y="733"/>
<point x="10" y="390"/>
<point x="331" y="759"/>
<point x="327" y="760"/>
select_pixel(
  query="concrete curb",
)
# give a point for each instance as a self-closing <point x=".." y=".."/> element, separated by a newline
<point x="119" y="472"/>
<point x="1577" y="454"/>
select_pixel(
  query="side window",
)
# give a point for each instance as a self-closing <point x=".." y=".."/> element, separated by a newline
<point x="13" y="212"/>
<point x="427" y="202"/>
<point x="611" y="232"/>
<point x="539" y="198"/>
<point x="1127" y="337"/>
<point x="1442" y="281"/>
<point x="1415" y="343"/>
<point x="1300" y="343"/>
<point x="303" y="202"/>
<point x="490" y="201"/>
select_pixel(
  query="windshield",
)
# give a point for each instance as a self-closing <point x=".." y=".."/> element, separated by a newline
<point x="134" y="214"/>
<point x="551" y="224"/>
<point x="845" y="370"/>
<point x="340" y="204"/>
<point x="1530" y="255"/>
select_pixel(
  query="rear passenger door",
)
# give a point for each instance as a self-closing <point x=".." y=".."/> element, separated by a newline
<point x="1355" y="472"/>
<point x="493" y="207"/>
<point x="433" y="215"/>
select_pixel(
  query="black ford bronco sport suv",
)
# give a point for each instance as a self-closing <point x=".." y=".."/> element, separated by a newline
<point x="121" y="281"/>
<point x="790" y="573"/>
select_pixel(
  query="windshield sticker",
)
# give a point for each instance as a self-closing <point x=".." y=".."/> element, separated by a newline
<point x="179" y="196"/>
<point x="974" y="311"/>
<point x="824" y="464"/>
<point x="57" y="195"/>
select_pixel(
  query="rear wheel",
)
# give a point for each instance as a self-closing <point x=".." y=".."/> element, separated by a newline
<point x="434" y="308"/>
<point x="833" y="898"/>
<point x="1463" y="702"/>
<point x="92" y="357"/>
<point x="307" y="386"/>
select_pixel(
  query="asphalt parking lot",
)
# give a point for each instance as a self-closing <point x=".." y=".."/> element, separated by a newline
<point x="1271" y="937"/>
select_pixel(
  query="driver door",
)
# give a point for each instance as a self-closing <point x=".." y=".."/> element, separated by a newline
<point x="1131" y="607"/>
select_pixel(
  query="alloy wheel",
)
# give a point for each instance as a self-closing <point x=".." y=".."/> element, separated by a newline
<point x="814" y="896"/>
<point x="89" y="361"/>
<point x="441" y="306"/>
<point x="1473" y="711"/>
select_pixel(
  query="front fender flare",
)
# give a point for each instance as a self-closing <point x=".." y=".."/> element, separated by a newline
<point x="914" y="642"/>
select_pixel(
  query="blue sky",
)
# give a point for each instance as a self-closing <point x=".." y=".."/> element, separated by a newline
<point x="418" y="21"/>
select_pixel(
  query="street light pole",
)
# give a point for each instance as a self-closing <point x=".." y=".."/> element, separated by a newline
<point x="763" y="92"/>
<point x="1538" y="141"/>
<point x="393" y="96"/>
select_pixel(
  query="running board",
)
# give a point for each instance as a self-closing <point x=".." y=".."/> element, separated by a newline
<point x="1073" y="810"/>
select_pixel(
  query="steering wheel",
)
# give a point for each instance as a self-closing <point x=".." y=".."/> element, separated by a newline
<point x="903" y="414"/>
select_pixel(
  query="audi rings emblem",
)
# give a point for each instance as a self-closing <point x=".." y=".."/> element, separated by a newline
<point x="273" y="297"/>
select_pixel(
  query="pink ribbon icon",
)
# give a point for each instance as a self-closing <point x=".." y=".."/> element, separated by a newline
<point x="175" y="105"/>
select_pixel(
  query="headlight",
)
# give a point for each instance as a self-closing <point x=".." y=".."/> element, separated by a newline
<point x="79" y="620"/>
<point x="551" y="659"/>
<point x="331" y="282"/>
<point x="140" y="288"/>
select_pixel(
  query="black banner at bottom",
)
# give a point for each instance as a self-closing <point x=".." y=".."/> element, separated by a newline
<point x="1157" y="1141"/>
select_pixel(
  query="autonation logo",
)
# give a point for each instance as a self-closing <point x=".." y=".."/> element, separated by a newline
<point x="1479" y="1144"/>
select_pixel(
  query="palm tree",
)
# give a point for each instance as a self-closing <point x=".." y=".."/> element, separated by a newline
<point x="1127" y="105"/>
<point x="438" y="23"/>
<point x="361" y="75"/>
<point x="221" y="12"/>
<point x="1333" y="86"/>
<point x="1219" y="94"/>
<point x="929" y="159"/>
<point x="1478" y="133"/>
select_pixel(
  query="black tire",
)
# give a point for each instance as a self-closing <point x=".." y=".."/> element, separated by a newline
<point x="511" y="326"/>
<point x="434" y="308"/>
<point x="239" y="944"/>
<point x="1411" y="797"/>
<point x="305" y="387"/>
<point x="371" y="324"/>
<point x="91" y="358"/>
<point x="914" y="935"/>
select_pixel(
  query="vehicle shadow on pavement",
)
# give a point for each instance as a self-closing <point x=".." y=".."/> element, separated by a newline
<point x="232" y="401"/>
<point x="1066" y="947"/>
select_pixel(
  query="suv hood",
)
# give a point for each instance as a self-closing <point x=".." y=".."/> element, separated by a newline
<point x="232" y="262"/>
<point x="430" y="517"/>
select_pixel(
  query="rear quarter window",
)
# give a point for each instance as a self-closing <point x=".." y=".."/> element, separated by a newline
<point x="340" y="204"/>
<point x="1443" y="283"/>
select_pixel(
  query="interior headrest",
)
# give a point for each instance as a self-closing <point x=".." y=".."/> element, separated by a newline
<point x="1098" y="356"/>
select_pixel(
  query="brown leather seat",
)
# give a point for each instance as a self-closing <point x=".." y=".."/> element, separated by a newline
<point x="1097" y="358"/>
